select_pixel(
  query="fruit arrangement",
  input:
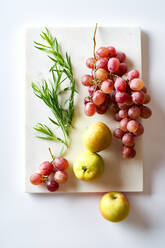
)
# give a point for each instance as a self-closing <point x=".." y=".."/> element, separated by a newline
<point x="51" y="173"/>
<point x="110" y="84"/>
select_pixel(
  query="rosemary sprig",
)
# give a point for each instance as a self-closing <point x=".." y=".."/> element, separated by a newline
<point x="61" y="70"/>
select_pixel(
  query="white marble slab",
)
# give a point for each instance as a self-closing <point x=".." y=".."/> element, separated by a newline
<point x="120" y="174"/>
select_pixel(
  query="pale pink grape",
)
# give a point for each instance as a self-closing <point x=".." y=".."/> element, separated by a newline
<point x="61" y="163"/>
<point x="60" y="176"/>
<point x="107" y="86"/>
<point x="136" y="84"/>
<point x="113" y="64"/>
<point x="87" y="80"/>
<point x="133" y="74"/>
<point x="90" y="109"/>
<point x="102" y="63"/>
<point x="98" y="97"/>
<point x="90" y="63"/>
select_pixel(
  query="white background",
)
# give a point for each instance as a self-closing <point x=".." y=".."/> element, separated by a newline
<point x="74" y="220"/>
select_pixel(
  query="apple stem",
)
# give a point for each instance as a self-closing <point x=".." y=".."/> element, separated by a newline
<point x="51" y="154"/>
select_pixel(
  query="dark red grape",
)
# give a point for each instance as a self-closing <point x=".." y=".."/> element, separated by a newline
<point x="140" y="130"/>
<point x="138" y="97"/>
<point x="52" y="185"/>
<point x="128" y="139"/>
<point x="122" y="69"/>
<point x="134" y="112"/>
<point x="118" y="133"/>
<point x="117" y="117"/>
<point x="128" y="152"/>
<point x="121" y="97"/>
<point x="145" y="112"/>
<point x="121" y="56"/>
<point x="112" y="51"/>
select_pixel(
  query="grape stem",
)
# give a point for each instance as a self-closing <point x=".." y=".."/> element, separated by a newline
<point x="51" y="154"/>
<point x="94" y="41"/>
<point x="112" y="74"/>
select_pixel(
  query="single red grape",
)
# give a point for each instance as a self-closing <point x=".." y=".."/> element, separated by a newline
<point x="90" y="109"/>
<point x="87" y="80"/>
<point x="136" y="84"/>
<point x="61" y="163"/>
<point x="120" y="84"/>
<point x="101" y="74"/>
<point x="123" y="105"/>
<point x="112" y="96"/>
<point x="147" y="98"/>
<point x="112" y="51"/>
<point x="132" y="126"/>
<point x="133" y="74"/>
<point x="134" y="112"/>
<point x="102" y="63"/>
<point x="36" y="179"/>
<point x="121" y="97"/>
<point x="138" y="97"/>
<point x="113" y="64"/>
<point x="140" y="130"/>
<point x="98" y="97"/>
<point x="122" y="69"/>
<point x="128" y="152"/>
<point x="60" y="176"/>
<point x="123" y="124"/>
<point x="102" y="109"/>
<point x="114" y="108"/>
<point x="128" y="139"/>
<point x="145" y="112"/>
<point x="118" y="133"/>
<point x="117" y="117"/>
<point x="90" y="63"/>
<point x="102" y="52"/>
<point x="107" y="86"/>
<point x="121" y="56"/>
<point x="46" y="168"/>
<point x="123" y="113"/>
<point x="52" y="185"/>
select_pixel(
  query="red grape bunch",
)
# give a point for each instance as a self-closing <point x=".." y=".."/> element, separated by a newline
<point x="110" y="85"/>
<point x="51" y="173"/>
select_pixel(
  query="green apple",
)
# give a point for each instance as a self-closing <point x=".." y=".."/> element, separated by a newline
<point x="88" y="166"/>
<point x="114" y="206"/>
<point x="97" y="137"/>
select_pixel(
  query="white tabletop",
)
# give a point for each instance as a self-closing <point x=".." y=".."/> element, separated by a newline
<point x="30" y="221"/>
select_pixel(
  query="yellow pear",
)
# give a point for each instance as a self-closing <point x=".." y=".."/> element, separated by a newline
<point x="97" y="137"/>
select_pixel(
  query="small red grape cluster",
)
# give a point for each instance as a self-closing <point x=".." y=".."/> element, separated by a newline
<point x="110" y="84"/>
<point x="51" y="174"/>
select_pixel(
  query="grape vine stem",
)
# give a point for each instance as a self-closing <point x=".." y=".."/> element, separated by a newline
<point x="94" y="41"/>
